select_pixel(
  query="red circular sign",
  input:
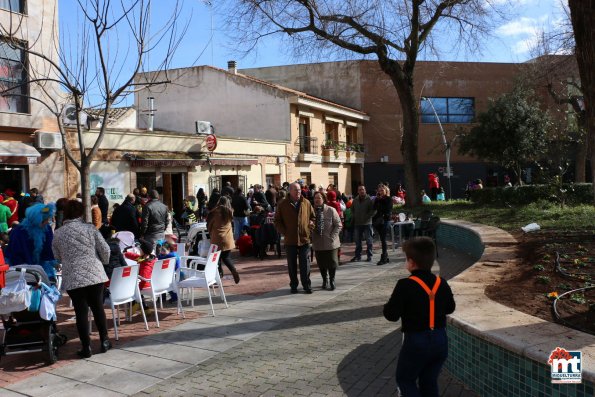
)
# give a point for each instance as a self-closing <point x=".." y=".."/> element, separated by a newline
<point x="211" y="142"/>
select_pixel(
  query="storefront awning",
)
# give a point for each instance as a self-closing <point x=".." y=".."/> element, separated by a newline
<point x="232" y="162"/>
<point x="191" y="163"/>
<point x="14" y="152"/>
<point x="165" y="163"/>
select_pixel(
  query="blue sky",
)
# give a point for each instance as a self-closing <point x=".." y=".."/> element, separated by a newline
<point x="206" y="42"/>
<point x="511" y="42"/>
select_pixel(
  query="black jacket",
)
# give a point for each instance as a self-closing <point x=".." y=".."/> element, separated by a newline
<point x="154" y="218"/>
<point x="259" y="197"/>
<point x="125" y="218"/>
<point x="116" y="258"/>
<point x="227" y="191"/>
<point x="411" y="303"/>
<point x="239" y="205"/>
<point x="383" y="207"/>
<point x="103" y="204"/>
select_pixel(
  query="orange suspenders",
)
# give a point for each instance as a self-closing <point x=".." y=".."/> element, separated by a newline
<point x="431" y="295"/>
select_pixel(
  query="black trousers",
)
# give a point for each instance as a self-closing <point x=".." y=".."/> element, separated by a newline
<point x="82" y="299"/>
<point x="298" y="255"/>
<point x="226" y="259"/>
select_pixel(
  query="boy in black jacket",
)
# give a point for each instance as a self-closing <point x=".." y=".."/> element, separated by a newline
<point x="425" y="345"/>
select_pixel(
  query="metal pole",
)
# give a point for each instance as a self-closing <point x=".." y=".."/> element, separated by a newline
<point x="445" y="143"/>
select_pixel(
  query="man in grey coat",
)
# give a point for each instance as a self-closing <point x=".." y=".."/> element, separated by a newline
<point x="362" y="209"/>
<point x="154" y="219"/>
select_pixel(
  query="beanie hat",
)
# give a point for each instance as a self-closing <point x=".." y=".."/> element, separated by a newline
<point x="331" y="195"/>
<point x="145" y="246"/>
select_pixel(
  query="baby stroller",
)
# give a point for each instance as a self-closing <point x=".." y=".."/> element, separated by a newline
<point x="26" y="331"/>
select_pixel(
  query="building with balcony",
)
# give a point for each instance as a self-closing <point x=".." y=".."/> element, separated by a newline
<point x="29" y="136"/>
<point x="266" y="133"/>
<point x="458" y="91"/>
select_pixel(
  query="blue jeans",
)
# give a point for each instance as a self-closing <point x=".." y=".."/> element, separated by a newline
<point x="238" y="224"/>
<point x="421" y="358"/>
<point x="298" y="254"/>
<point x="358" y="232"/>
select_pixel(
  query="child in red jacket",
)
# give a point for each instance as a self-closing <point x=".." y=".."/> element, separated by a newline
<point x="244" y="243"/>
<point x="145" y="259"/>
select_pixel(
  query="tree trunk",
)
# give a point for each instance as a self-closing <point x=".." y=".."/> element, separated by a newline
<point x="582" y="14"/>
<point x="85" y="179"/>
<point x="403" y="83"/>
<point x="580" y="175"/>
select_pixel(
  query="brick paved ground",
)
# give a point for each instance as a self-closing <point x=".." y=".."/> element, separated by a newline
<point x="341" y="347"/>
<point x="276" y="343"/>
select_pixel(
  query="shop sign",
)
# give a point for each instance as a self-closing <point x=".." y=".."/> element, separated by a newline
<point x="112" y="182"/>
<point x="211" y="141"/>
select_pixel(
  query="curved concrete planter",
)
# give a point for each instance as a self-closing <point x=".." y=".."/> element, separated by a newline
<point x="494" y="349"/>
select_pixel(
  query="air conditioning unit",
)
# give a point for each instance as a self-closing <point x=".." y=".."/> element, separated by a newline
<point x="204" y="127"/>
<point x="69" y="116"/>
<point x="48" y="140"/>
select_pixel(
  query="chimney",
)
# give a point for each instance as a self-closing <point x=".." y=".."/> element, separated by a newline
<point x="232" y="67"/>
<point x="151" y="113"/>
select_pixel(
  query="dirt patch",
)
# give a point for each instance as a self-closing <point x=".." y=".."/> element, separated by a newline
<point x="531" y="286"/>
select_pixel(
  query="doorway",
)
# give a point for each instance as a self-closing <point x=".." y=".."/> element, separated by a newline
<point x="14" y="178"/>
<point x="174" y="191"/>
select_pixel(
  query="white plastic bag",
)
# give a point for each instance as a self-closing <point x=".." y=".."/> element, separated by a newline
<point x="16" y="296"/>
<point x="531" y="227"/>
<point x="49" y="298"/>
<point x="203" y="245"/>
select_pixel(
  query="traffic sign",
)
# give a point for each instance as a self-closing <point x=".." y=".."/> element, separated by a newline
<point x="211" y="142"/>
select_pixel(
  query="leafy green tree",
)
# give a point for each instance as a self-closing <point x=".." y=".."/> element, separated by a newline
<point x="512" y="132"/>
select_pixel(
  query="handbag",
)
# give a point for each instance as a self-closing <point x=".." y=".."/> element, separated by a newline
<point x="16" y="296"/>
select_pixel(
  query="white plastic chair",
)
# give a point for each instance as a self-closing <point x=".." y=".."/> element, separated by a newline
<point x="181" y="249"/>
<point x="124" y="289"/>
<point x="197" y="260"/>
<point x="207" y="278"/>
<point x="162" y="280"/>
<point x="126" y="239"/>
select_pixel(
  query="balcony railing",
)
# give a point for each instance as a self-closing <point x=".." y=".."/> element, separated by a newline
<point x="342" y="146"/>
<point x="307" y="144"/>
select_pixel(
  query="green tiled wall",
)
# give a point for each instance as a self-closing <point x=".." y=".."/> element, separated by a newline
<point x="460" y="238"/>
<point x="493" y="371"/>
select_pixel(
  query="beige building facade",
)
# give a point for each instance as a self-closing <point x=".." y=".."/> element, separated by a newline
<point x="29" y="136"/>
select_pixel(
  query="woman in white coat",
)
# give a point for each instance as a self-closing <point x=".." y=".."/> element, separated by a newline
<point x="325" y="239"/>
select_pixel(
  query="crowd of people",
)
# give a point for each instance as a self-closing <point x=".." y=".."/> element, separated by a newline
<point x="310" y="218"/>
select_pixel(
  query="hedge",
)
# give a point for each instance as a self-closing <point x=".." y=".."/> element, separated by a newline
<point x="579" y="193"/>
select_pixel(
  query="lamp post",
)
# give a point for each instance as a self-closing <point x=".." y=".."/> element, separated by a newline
<point x="446" y="146"/>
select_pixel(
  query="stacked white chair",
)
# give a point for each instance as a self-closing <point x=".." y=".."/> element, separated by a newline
<point x="124" y="289"/>
<point x="208" y="279"/>
<point x="162" y="280"/>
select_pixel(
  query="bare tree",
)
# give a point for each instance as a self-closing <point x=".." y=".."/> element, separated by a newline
<point x="555" y="69"/>
<point x="582" y="16"/>
<point x="394" y="32"/>
<point x="93" y="65"/>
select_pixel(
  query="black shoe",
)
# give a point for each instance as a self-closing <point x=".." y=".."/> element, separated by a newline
<point x="308" y="290"/>
<point x="324" y="283"/>
<point x="332" y="284"/>
<point x="369" y="259"/>
<point x="380" y="262"/>
<point x="84" y="352"/>
<point x="355" y="259"/>
<point x="236" y="276"/>
<point x="106" y="345"/>
<point x="294" y="291"/>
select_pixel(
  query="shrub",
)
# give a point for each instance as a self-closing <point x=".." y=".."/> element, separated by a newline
<point x="580" y="193"/>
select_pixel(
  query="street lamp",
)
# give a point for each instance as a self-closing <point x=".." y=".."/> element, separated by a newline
<point x="446" y="146"/>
